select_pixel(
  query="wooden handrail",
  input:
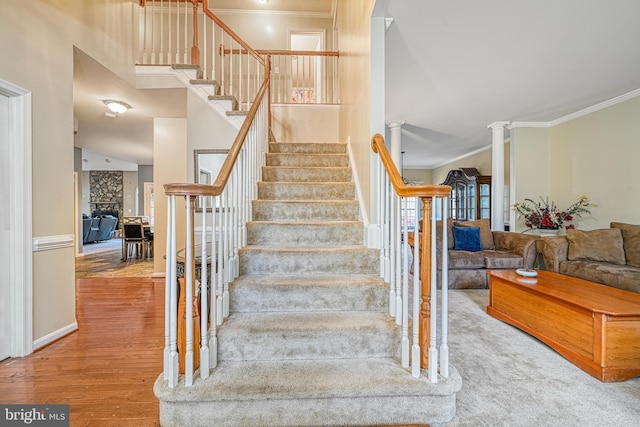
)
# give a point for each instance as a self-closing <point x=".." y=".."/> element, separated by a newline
<point x="403" y="190"/>
<point x="214" y="18"/>
<point x="283" y="52"/>
<point x="215" y="189"/>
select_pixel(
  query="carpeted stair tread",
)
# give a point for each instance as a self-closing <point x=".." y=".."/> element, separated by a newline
<point x="305" y="210"/>
<point x="304" y="233"/>
<point x="305" y="174"/>
<point x="308" y="335"/>
<point x="306" y="379"/>
<point x="264" y="293"/>
<point x="306" y="190"/>
<point x="308" y="147"/>
<point x="330" y="259"/>
<point x="303" y="159"/>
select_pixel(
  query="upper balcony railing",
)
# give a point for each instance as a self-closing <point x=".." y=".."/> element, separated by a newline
<point x="177" y="32"/>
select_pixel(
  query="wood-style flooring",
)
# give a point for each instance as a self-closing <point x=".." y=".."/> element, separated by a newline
<point x="104" y="259"/>
<point x="106" y="369"/>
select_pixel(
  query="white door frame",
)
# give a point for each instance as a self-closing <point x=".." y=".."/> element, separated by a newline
<point x="20" y="217"/>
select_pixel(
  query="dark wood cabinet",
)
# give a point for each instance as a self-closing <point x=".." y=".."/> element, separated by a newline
<point x="470" y="194"/>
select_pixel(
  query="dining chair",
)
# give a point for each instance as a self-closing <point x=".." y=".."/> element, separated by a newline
<point x="134" y="237"/>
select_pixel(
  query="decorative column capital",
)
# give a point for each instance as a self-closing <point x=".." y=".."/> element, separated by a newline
<point x="396" y="124"/>
<point x="498" y="125"/>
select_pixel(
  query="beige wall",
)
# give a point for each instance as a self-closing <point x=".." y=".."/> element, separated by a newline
<point x="169" y="166"/>
<point x="305" y="123"/>
<point x="480" y="161"/>
<point x="595" y="155"/>
<point x="36" y="41"/>
<point x="271" y="31"/>
<point x="354" y="41"/>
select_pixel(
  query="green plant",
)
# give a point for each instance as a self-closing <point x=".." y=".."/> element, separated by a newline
<point x="546" y="215"/>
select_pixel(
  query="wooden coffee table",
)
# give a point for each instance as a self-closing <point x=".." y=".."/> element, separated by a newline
<point x="596" y="327"/>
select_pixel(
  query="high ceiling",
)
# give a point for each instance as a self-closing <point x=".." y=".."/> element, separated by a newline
<point x="453" y="67"/>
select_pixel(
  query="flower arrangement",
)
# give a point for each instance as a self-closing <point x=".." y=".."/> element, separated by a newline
<point x="546" y="215"/>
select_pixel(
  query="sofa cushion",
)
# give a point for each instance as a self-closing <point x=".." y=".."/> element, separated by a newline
<point x="467" y="239"/>
<point x="596" y="245"/>
<point x="465" y="260"/>
<point x="450" y="242"/>
<point x="486" y="237"/>
<point x="502" y="260"/>
<point x="631" y="239"/>
<point x="623" y="277"/>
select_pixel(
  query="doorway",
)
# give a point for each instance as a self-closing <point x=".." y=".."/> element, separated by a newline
<point x="16" y="313"/>
<point x="307" y="71"/>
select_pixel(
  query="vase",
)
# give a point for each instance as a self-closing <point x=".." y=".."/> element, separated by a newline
<point x="547" y="232"/>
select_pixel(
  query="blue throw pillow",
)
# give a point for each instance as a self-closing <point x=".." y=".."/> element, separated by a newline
<point x="467" y="239"/>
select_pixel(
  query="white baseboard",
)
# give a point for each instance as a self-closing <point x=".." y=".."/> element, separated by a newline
<point x="55" y="335"/>
<point x="159" y="275"/>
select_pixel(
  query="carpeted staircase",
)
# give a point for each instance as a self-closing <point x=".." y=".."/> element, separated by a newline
<point x="309" y="341"/>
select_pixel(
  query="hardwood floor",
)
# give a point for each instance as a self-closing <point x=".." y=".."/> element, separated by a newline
<point x="106" y="369"/>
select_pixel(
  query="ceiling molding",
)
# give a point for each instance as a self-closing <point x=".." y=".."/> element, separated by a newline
<point x="581" y="113"/>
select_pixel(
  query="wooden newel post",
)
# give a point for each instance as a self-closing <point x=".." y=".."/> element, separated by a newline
<point x="424" y="331"/>
<point x="195" y="50"/>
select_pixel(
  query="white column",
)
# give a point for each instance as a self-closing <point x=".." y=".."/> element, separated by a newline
<point x="497" y="175"/>
<point x="396" y="143"/>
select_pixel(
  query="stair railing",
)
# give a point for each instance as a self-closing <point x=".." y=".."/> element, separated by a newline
<point x="226" y="209"/>
<point x="420" y="301"/>
<point x="181" y="32"/>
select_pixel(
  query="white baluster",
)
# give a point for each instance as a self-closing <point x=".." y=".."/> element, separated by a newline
<point x="227" y="251"/>
<point x="220" y="263"/>
<point x="185" y="59"/>
<point x="213" y="289"/>
<point x="415" y="349"/>
<point x="153" y="28"/>
<point x="433" y="349"/>
<point x="169" y="20"/>
<point x="173" y="279"/>
<point x="204" y="295"/>
<point x="381" y="214"/>
<point x="167" y="300"/>
<point x="144" y="34"/>
<point x="398" y="246"/>
<point x="161" y="51"/>
<point x="177" y="60"/>
<point x="405" y="294"/>
<point x="444" y="344"/>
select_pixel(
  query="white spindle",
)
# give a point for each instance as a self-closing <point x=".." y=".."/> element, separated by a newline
<point x="220" y="262"/>
<point x="227" y="252"/>
<point x="204" y="295"/>
<point x="173" y="280"/>
<point x="415" y="349"/>
<point x="161" y="51"/>
<point x="433" y="349"/>
<point x="213" y="292"/>
<point x="381" y="227"/>
<point x="204" y="51"/>
<point x="185" y="58"/>
<point x="444" y="344"/>
<point x="405" y="293"/>
<point x="393" y="232"/>
<point x="398" y="245"/>
<point x="177" y="60"/>
<point x="167" y="302"/>
<point x="153" y="30"/>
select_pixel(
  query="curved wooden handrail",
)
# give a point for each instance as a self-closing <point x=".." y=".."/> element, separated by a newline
<point x="403" y="190"/>
<point x="215" y="189"/>
<point x="214" y="18"/>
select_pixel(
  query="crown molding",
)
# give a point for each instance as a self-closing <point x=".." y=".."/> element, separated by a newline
<point x="581" y="113"/>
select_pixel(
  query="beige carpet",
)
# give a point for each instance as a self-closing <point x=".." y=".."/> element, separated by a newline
<point x="511" y="379"/>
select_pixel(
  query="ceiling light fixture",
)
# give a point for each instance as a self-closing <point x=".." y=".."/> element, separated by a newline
<point x="117" y="107"/>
